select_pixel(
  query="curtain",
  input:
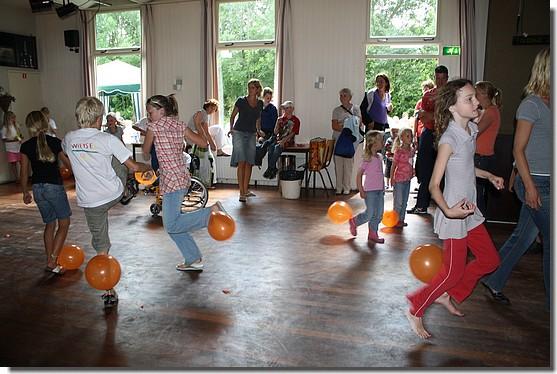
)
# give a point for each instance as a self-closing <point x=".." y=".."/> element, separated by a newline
<point x="87" y="60"/>
<point x="467" y="20"/>
<point x="148" y="51"/>
<point x="284" y="70"/>
<point x="209" y="57"/>
<point x="482" y="13"/>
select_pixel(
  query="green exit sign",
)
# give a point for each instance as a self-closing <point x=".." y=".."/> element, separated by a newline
<point x="451" y="50"/>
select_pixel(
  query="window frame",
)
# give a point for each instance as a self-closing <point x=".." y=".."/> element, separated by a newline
<point x="237" y="45"/>
<point x="401" y="39"/>
<point x="120" y="51"/>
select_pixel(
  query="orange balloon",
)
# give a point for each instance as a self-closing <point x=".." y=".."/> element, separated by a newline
<point x="71" y="257"/>
<point x="221" y="226"/>
<point x="390" y="218"/>
<point x="426" y="261"/>
<point x="339" y="212"/>
<point x="65" y="173"/>
<point x="103" y="272"/>
<point x="147" y="182"/>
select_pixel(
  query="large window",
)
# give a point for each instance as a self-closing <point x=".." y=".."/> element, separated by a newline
<point x="402" y="42"/>
<point x="118" y="62"/>
<point x="245" y="49"/>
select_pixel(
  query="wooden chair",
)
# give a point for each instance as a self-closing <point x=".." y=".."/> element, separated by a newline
<point x="325" y="158"/>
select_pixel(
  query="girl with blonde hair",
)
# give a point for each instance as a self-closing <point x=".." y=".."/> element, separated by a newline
<point x="41" y="153"/>
<point x="11" y="134"/>
<point x="372" y="190"/>
<point x="402" y="172"/>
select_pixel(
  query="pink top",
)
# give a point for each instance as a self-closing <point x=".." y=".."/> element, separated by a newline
<point x="373" y="172"/>
<point x="402" y="162"/>
<point x="169" y="143"/>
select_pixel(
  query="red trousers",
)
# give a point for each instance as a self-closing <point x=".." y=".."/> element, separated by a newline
<point x="457" y="277"/>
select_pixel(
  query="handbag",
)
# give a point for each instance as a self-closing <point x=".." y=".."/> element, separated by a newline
<point x="344" y="146"/>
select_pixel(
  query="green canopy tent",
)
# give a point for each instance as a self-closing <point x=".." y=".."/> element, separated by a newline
<point x="119" y="78"/>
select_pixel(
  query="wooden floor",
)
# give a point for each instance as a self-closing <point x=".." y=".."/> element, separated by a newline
<point x="290" y="289"/>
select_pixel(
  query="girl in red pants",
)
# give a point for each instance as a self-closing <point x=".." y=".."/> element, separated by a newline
<point x="457" y="220"/>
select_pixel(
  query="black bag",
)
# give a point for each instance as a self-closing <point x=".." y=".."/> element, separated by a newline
<point x="344" y="146"/>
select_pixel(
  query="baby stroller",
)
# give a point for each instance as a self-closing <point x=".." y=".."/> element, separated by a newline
<point x="196" y="196"/>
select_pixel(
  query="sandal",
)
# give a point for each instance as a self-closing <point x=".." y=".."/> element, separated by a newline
<point x="243" y="198"/>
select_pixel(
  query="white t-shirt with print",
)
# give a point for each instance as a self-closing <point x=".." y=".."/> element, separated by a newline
<point x="90" y="152"/>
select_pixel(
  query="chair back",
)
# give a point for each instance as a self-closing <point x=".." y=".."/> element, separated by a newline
<point x="329" y="153"/>
<point x="317" y="153"/>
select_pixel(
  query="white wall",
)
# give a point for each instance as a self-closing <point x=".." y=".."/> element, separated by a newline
<point x="177" y="44"/>
<point x="60" y="69"/>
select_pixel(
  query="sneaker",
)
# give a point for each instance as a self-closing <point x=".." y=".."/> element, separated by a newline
<point x="110" y="298"/>
<point x="373" y="237"/>
<point x="353" y="227"/>
<point x="497" y="295"/>
<point x="194" y="266"/>
<point x="416" y="210"/>
<point x="250" y="194"/>
<point x="346" y="192"/>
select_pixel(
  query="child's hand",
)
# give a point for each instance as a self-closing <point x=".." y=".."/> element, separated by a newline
<point x="27" y="198"/>
<point x="462" y="209"/>
<point x="498" y="182"/>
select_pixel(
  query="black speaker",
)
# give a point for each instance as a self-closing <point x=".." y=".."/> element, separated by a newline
<point x="66" y="10"/>
<point x="71" y="38"/>
<point x="40" y="5"/>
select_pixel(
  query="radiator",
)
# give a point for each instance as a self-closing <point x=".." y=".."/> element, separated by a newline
<point x="227" y="174"/>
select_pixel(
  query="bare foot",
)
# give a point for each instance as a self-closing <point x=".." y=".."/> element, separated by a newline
<point x="417" y="325"/>
<point x="445" y="300"/>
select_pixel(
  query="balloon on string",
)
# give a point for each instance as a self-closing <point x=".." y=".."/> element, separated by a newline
<point x="390" y="218"/>
<point x="221" y="226"/>
<point x="65" y="173"/>
<point x="103" y="272"/>
<point x="339" y="212"/>
<point x="71" y="257"/>
<point x="426" y="261"/>
<point x="140" y="178"/>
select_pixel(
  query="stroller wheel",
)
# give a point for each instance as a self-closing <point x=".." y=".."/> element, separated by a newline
<point x="155" y="209"/>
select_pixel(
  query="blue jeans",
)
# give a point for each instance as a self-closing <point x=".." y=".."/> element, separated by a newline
<point x="179" y="225"/>
<point x="374" y="210"/>
<point x="52" y="201"/>
<point x="542" y="219"/>
<point x="274" y="152"/>
<point x="400" y="198"/>
<point x="424" y="167"/>
<point x="510" y="253"/>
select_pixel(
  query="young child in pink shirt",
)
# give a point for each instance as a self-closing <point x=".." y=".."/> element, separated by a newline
<point x="372" y="188"/>
<point x="402" y="172"/>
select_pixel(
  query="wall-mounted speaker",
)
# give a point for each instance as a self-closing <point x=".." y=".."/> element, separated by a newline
<point x="71" y="38"/>
<point x="67" y="10"/>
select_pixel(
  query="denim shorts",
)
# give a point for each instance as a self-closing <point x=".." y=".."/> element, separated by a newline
<point x="52" y="201"/>
<point x="243" y="147"/>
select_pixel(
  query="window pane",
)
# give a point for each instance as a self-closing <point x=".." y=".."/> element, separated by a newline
<point x="405" y="76"/>
<point x="403" y="18"/>
<point x="119" y="84"/>
<point x="426" y="49"/>
<point x="236" y="68"/>
<point x="247" y="21"/>
<point x="118" y="30"/>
